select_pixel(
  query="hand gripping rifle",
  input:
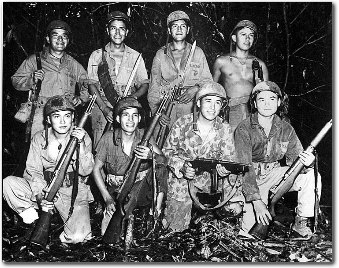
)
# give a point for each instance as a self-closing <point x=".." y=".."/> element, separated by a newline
<point x="113" y="231"/>
<point x="260" y="230"/>
<point x="41" y="230"/>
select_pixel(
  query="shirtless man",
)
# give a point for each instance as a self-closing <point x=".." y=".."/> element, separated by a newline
<point x="234" y="70"/>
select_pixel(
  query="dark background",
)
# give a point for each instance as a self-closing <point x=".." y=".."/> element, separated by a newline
<point x="295" y="41"/>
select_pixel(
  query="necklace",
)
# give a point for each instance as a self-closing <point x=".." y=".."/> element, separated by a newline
<point x="243" y="64"/>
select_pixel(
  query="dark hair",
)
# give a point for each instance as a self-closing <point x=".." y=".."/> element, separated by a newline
<point x="282" y="110"/>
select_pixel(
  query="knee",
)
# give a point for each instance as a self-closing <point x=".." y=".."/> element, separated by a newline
<point x="7" y="184"/>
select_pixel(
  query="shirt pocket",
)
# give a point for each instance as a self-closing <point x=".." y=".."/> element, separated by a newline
<point x="194" y="71"/>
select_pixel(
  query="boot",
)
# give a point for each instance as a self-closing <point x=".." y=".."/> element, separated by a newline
<point x="300" y="227"/>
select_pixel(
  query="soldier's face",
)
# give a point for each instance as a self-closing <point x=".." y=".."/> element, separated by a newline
<point x="267" y="103"/>
<point x="179" y="30"/>
<point x="129" y="120"/>
<point x="58" y="39"/>
<point x="210" y="107"/>
<point x="61" y="121"/>
<point x="244" y="38"/>
<point x="117" y="31"/>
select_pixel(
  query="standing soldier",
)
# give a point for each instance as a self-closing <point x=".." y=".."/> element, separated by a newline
<point x="234" y="70"/>
<point x="59" y="74"/>
<point x="110" y="69"/>
<point x="168" y="69"/>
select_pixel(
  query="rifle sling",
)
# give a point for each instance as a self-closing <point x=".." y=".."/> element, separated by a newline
<point x="106" y="81"/>
<point x="75" y="182"/>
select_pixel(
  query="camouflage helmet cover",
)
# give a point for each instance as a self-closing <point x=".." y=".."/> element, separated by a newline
<point x="246" y="23"/>
<point x="58" y="24"/>
<point x="58" y="103"/>
<point x="177" y="15"/>
<point x="211" y="88"/>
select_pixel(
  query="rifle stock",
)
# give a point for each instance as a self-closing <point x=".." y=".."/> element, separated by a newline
<point x="113" y="231"/>
<point x="260" y="230"/>
<point x="41" y="230"/>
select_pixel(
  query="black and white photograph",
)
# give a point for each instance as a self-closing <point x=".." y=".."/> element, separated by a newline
<point x="167" y="132"/>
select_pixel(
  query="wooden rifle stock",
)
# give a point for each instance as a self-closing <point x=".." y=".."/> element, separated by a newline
<point x="260" y="230"/>
<point x="113" y="231"/>
<point x="41" y="230"/>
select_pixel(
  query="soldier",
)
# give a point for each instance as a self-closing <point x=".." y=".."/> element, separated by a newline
<point x="25" y="195"/>
<point x="115" y="152"/>
<point x="202" y="135"/>
<point x="59" y="75"/>
<point x="168" y="66"/>
<point x="234" y="70"/>
<point x="264" y="139"/>
<point x="109" y="70"/>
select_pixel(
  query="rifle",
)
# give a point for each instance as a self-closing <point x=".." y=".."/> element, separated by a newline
<point x="41" y="230"/>
<point x="34" y="98"/>
<point x="113" y="231"/>
<point x="160" y="139"/>
<point x="256" y="67"/>
<point x="177" y="85"/>
<point x="260" y="230"/>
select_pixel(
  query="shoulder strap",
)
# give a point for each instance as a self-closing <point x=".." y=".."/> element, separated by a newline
<point x="38" y="60"/>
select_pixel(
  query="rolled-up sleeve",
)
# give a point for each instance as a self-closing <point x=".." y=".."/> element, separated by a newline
<point x="141" y="74"/>
<point x="22" y="80"/>
<point x="86" y="159"/>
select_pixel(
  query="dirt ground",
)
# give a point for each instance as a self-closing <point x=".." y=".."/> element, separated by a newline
<point x="208" y="240"/>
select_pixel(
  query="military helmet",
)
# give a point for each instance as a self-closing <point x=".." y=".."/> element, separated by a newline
<point x="118" y="15"/>
<point x="58" y="103"/>
<point x="266" y="86"/>
<point x="126" y="102"/>
<point x="58" y="24"/>
<point x="211" y="88"/>
<point x="248" y="24"/>
<point x="178" y="15"/>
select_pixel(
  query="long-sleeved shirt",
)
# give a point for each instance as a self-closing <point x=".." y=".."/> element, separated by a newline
<point x="264" y="152"/>
<point x="40" y="160"/>
<point x="185" y="144"/>
<point x="120" y="79"/>
<point x="164" y="72"/>
<point x="58" y="80"/>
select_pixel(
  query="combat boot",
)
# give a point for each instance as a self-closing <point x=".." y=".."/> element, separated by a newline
<point x="301" y="227"/>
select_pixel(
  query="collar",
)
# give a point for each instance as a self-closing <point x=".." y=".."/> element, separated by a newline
<point x="184" y="56"/>
<point x="217" y="124"/>
<point x="117" y="137"/>
<point x="276" y="123"/>
<point x="45" y="54"/>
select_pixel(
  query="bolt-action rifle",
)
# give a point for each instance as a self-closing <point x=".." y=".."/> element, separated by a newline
<point x="41" y="230"/>
<point x="260" y="230"/>
<point x="114" y="228"/>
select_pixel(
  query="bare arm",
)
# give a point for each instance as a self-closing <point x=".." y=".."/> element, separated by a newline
<point x="216" y="70"/>
<point x="141" y="91"/>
